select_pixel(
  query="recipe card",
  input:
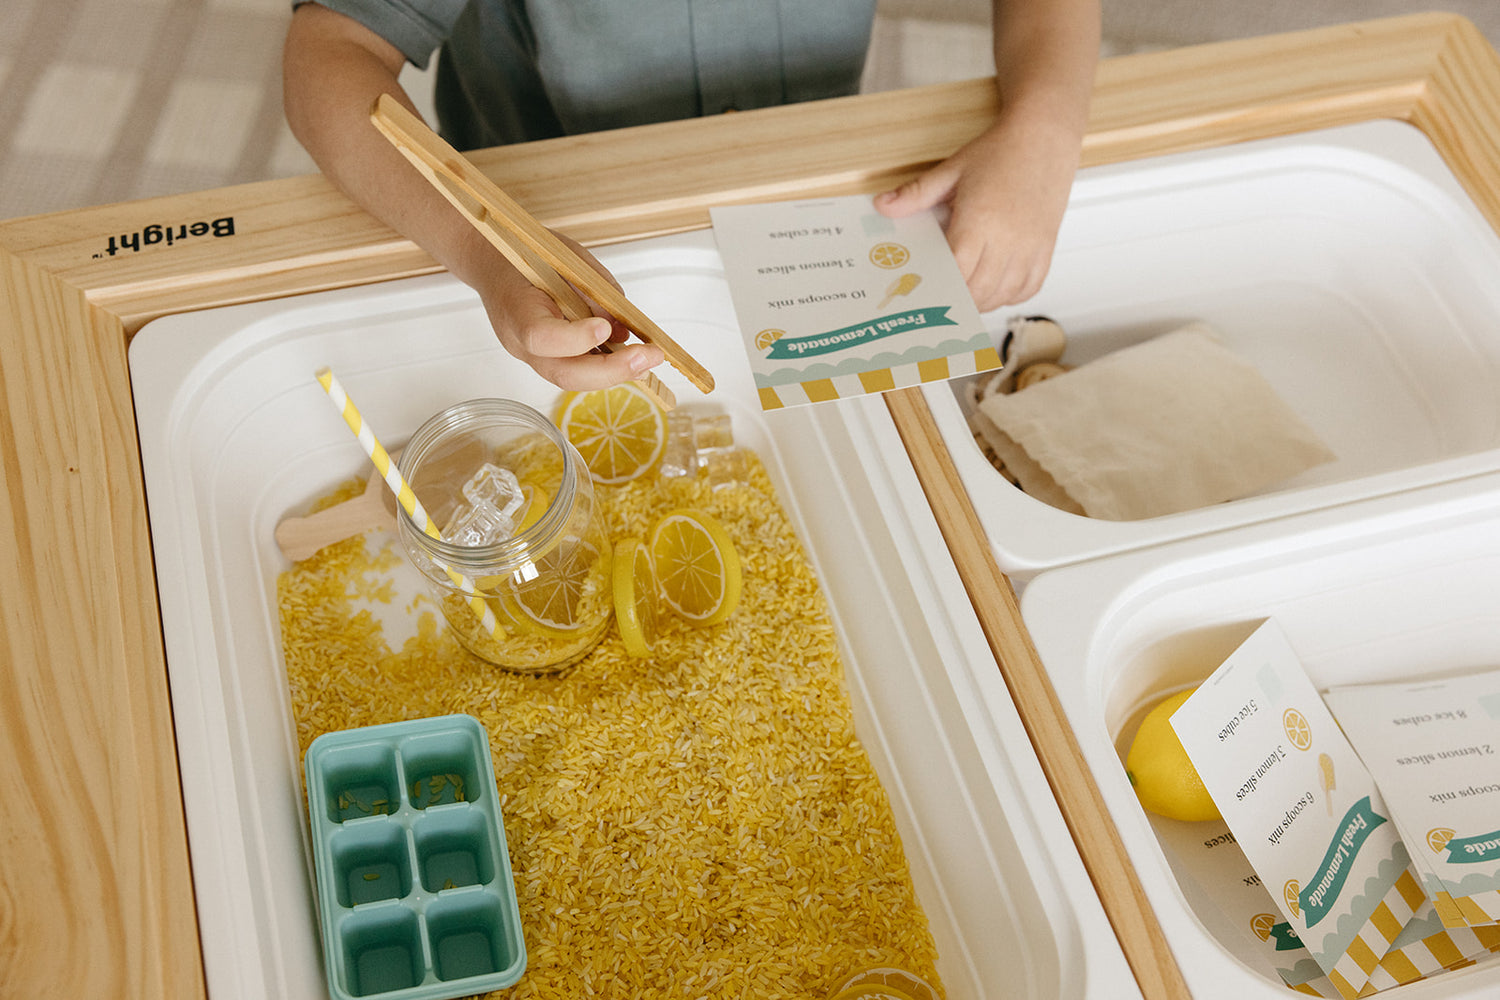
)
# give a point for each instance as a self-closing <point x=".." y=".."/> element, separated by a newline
<point x="1434" y="749"/>
<point x="1302" y="806"/>
<point x="834" y="299"/>
<point x="1209" y="855"/>
<point x="1257" y="934"/>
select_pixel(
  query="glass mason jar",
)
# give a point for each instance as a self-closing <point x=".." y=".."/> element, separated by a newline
<point x="516" y="508"/>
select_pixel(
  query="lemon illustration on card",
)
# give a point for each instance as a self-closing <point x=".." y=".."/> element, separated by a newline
<point x="889" y="255"/>
<point x="1261" y="924"/>
<point x="765" y="338"/>
<point x="1297" y="729"/>
<point x="1438" y="838"/>
<point x="1290" y="893"/>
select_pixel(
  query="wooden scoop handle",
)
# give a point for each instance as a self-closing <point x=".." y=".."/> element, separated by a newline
<point x="301" y="537"/>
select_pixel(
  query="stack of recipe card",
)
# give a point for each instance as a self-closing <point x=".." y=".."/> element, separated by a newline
<point x="834" y="299"/>
<point x="1434" y="749"/>
<point x="1316" y="828"/>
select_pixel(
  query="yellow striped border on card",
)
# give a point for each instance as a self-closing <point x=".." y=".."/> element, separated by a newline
<point x="879" y="380"/>
<point x="1360" y="963"/>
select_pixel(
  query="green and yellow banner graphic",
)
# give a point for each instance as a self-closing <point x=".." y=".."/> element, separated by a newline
<point x="1320" y="894"/>
<point x="862" y="333"/>
<point x="1471" y="850"/>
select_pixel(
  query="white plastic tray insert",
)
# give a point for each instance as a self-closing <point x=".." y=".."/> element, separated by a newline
<point x="1347" y="265"/>
<point x="235" y="433"/>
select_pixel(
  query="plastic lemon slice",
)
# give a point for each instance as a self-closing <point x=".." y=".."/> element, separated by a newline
<point x="619" y="432"/>
<point x="566" y="579"/>
<point x="1159" y="769"/>
<point x="537" y="502"/>
<point x="697" y="568"/>
<point x="635" y="596"/>
<point x="886" y="984"/>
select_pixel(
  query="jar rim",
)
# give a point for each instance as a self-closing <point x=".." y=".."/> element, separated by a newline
<point x="519" y="548"/>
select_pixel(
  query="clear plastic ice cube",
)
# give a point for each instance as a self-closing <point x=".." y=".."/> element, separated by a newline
<point x="713" y="433"/>
<point x="703" y="442"/>
<point x="494" y="496"/>
<point x="724" y="464"/>
<point x="495" y="486"/>
<point x="679" y="456"/>
<point x="726" y="467"/>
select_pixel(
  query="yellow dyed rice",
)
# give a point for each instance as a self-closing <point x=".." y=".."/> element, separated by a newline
<point x="701" y="823"/>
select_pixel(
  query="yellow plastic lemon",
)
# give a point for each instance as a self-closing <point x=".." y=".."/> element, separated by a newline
<point x="1159" y="769"/>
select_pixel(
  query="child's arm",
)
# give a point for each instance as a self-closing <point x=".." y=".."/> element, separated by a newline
<point x="333" y="70"/>
<point x="1008" y="188"/>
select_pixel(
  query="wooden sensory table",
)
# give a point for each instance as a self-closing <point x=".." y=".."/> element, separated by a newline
<point x="95" y="883"/>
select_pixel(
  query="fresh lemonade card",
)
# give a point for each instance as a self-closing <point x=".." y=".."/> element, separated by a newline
<point x="1302" y="806"/>
<point x="1209" y="855"/>
<point x="1434" y="749"/>
<point x="834" y="299"/>
<point x="1258" y="934"/>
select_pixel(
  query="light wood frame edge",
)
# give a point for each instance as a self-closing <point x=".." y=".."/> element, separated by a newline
<point x="95" y="884"/>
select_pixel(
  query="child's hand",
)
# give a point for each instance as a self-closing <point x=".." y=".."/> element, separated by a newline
<point x="1007" y="194"/>
<point x="530" y="326"/>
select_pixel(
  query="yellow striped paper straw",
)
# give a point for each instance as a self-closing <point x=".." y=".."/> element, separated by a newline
<point x="404" y="495"/>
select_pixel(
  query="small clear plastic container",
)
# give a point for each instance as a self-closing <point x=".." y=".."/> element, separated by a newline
<point x="544" y="572"/>
<point x="414" y="883"/>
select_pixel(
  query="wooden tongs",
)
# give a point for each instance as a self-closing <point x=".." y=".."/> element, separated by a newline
<point x="546" y="261"/>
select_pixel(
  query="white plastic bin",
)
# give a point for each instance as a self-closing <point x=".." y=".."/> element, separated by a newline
<point x="1375" y="591"/>
<point x="1347" y="265"/>
<point x="235" y="432"/>
<point x="1353" y="271"/>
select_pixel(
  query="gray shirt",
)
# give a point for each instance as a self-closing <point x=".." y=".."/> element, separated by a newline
<point x="516" y="70"/>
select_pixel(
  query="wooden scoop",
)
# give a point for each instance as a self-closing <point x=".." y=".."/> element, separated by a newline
<point x="301" y="537"/>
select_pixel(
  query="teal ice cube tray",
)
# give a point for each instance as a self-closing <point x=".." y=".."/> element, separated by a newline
<point x="415" y="893"/>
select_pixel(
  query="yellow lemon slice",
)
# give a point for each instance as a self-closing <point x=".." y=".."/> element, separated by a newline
<point x="1289" y="894"/>
<point x="619" y="432"/>
<point x="1438" y="837"/>
<point x="697" y="567"/>
<point x="1159" y="770"/>
<point x="566" y="576"/>
<point x="537" y="502"/>
<point x="886" y="984"/>
<point x="635" y="596"/>
<point x="1261" y="924"/>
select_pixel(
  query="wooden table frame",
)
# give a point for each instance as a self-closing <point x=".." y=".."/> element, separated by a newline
<point x="95" y="884"/>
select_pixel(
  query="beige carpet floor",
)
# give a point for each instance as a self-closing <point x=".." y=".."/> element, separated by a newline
<point x="115" y="100"/>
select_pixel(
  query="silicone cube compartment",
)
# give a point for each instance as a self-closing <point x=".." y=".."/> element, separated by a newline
<point x="414" y="884"/>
